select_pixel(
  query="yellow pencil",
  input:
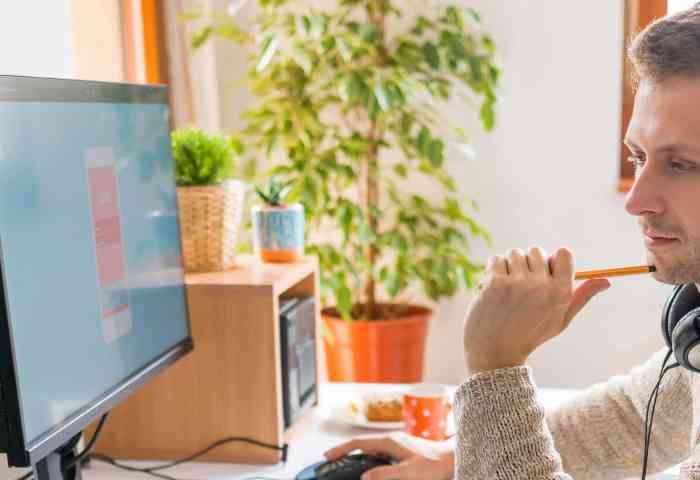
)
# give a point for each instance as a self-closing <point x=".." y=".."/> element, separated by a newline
<point x="614" y="272"/>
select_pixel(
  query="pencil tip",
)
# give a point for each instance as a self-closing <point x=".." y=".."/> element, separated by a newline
<point x="652" y="268"/>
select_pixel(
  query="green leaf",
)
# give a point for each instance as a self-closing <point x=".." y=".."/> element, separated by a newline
<point x="400" y="170"/>
<point x="302" y="57"/>
<point x="202" y="36"/>
<point x="237" y="146"/>
<point x="188" y="16"/>
<point x="250" y="169"/>
<point x="454" y="43"/>
<point x="435" y="152"/>
<point x="453" y="17"/>
<point x="306" y="24"/>
<point x="310" y="191"/>
<point x="368" y="32"/>
<point x="382" y="95"/>
<point x="268" y="49"/>
<point x="475" y="68"/>
<point x="475" y="15"/>
<point x="343" y="298"/>
<point x="423" y="141"/>
<point x="344" y="49"/>
<point x="487" y="115"/>
<point x="432" y="57"/>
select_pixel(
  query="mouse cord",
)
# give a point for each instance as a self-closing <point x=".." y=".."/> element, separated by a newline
<point x="649" y="419"/>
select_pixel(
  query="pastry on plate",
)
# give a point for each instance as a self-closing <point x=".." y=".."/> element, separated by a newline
<point x="379" y="409"/>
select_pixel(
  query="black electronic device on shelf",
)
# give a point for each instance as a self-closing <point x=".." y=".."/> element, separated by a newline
<point x="298" y="354"/>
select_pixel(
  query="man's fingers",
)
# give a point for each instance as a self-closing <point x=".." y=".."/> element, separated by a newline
<point x="497" y="265"/>
<point x="377" y="445"/>
<point x="389" y="472"/>
<point x="343" y="449"/>
<point x="537" y="260"/>
<point x="517" y="265"/>
<point x="561" y="264"/>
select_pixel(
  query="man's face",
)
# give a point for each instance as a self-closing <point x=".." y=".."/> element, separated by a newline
<point x="664" y="142"/>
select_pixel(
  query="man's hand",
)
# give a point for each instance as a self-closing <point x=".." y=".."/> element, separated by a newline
<point x="524" y="301"/>
<point x="417" y="458"/>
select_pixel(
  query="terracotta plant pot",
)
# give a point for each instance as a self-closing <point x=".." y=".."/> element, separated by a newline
<point x="381" y="351"/>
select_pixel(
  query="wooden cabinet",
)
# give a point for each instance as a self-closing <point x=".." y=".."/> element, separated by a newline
<point x="230" y="385"/>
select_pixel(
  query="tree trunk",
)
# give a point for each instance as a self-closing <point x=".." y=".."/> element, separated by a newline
<point x="371" y="187"/>
<point x="371" y="178"/>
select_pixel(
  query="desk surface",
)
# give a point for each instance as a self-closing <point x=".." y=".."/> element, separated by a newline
<point x="322" y="433"/>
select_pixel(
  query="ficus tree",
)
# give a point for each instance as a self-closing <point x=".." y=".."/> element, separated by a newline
<point x="352" y="97"/>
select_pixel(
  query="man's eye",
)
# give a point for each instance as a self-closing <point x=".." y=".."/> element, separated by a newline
<point x="680" y="167"/>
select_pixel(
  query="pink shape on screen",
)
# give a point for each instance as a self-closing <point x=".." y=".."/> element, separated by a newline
<point x="105" y="218"/>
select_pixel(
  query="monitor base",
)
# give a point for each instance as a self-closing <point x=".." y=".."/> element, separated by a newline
<point x="51" y="466"/>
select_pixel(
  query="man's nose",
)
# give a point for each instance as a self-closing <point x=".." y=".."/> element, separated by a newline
<point x="645" y="196"/>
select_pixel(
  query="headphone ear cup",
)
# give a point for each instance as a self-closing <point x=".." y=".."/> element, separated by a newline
<point x="672" y="313"/>
<point x="686" y="341"/>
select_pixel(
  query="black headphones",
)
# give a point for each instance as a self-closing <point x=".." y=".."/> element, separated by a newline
<point x="680" y="324"/>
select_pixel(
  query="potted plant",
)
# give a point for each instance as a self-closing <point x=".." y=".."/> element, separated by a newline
<point x="355" y="99"/>
<point x="210" y="201"/>
<point x="278" y="228"/>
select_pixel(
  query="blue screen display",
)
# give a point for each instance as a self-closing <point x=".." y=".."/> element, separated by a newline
<point x="90" y="250"/>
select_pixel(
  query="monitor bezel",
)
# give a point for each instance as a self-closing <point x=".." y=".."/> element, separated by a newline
<point x="19" y="453"/>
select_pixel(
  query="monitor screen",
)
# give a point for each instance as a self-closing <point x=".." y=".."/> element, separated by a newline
<point x="89" y="241"/>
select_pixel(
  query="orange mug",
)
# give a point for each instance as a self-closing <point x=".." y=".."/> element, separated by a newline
<point x="425" y="410"/>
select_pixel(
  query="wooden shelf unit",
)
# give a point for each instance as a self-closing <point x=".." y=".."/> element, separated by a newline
<point x="230" y="385"/>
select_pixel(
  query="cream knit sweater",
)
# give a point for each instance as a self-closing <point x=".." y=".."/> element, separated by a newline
<point x="503" y="432"/>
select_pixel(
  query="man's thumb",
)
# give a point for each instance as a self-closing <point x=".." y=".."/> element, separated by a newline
<point x="583" y="294"/>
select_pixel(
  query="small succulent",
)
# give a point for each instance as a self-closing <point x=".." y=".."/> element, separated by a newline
<point x="277" y="191"/>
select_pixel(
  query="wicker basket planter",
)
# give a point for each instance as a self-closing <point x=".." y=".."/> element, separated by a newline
<point x="210" y="219"/>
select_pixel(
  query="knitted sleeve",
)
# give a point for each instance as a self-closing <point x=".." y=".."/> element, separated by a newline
<point x="501" y="429"/>
<point x="503" y="432"/>
<point x="600" y="432"/>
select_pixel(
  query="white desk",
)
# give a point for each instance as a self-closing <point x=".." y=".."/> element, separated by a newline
<point x="323" y="433"/>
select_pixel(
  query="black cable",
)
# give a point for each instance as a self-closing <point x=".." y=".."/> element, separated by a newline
<point x="653" y="392"/>
<point x="284" y="448"/>
<point x="90" y="444"/>
<point x="150" y="470"/>
<point x="104" y="458"/>
<point x="72" y="445"/>
<point x="651" y="408"/>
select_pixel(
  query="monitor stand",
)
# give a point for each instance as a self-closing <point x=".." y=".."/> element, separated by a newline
<point x="50" y="467"/>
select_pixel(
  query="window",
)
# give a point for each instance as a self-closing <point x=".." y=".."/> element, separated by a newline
<point x="638" y="14"/>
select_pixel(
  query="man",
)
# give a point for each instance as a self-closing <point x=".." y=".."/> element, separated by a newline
<point x="527" y="298"/>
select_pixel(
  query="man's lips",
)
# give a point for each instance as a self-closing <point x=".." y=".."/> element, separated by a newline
<point x="653" y="239"/>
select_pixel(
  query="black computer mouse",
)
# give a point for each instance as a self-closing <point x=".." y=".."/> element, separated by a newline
<point x="349" y="467"/>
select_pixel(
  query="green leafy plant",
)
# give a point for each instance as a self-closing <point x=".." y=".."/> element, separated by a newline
<point x="202" y="158"/>
<point x="276" y="193"/>
<point x="355" y="97"/>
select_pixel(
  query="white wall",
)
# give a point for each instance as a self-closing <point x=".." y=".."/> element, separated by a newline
<point x="35" y="39"/>
<point x="547" y="176"/>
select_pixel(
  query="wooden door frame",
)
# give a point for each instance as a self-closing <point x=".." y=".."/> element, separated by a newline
<point x="638" y="14"/>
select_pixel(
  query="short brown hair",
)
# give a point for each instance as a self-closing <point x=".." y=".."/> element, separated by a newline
<point x="668" y="47"/>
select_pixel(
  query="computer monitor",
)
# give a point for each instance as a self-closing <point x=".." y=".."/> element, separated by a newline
<point x="92" y="296"/>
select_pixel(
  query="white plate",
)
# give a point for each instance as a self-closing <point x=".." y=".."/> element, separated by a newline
<point x="347" y="416"/>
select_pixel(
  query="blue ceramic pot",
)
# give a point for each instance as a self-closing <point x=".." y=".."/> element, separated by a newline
<point x="278" y="232"/>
